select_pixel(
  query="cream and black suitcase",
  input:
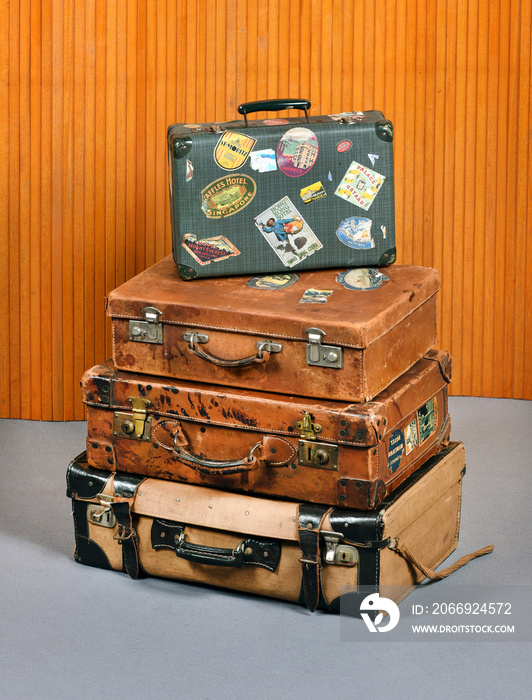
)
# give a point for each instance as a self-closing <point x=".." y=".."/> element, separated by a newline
<point x="296" y="552"/>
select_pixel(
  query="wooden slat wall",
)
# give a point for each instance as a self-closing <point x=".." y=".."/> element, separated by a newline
<point x="88" y="88"/>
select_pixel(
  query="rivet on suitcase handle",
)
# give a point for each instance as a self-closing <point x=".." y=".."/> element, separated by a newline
<point x="215" y="466"/>
<point x="273" y="106"/>
<point x="264" y="349"/>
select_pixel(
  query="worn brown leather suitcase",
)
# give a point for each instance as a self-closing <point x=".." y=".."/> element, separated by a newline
<point x="331" y="334"/>
<point x="292" y="551"/>
<point x="334" y="452"/>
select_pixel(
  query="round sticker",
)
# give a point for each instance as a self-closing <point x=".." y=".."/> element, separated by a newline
<point x="297" y="151"/>
<point x="355" y="232"/>
<point x="344" y="146"/>
<point x="273" y="281"/>
<point x="362" y="278"/>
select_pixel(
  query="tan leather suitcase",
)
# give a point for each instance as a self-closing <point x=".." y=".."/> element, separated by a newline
<point x="346" y="454"/>
<point x="333" y="334"/>
<point x="292" y="551"/>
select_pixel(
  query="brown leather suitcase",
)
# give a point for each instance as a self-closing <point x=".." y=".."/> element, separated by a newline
<point x="292" y="551"/>
<point x="333" y="334"/>
<point x="346" y="454"/>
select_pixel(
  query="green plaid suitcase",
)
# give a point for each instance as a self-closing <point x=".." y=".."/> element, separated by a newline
<point x="281" y="195"/>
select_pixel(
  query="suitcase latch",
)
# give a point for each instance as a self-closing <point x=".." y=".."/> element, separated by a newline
<point x="336" y="553"/>
<point x="136" y="426"/>
<point x="322" y="355"/>
<point x="148" y="331"/>
<point x="308" y="429"/>
<point x="101" y="513"/>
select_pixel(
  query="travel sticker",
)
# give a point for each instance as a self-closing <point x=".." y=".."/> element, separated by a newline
<point x="355" y="232"/>
<point x="208" y="250"/>
<point x="273" y="281"/>
<point x="232" y="150"/>
<point x="287" y="232"/>
<point x="315" y="296"/>
<point x="396" y="447"/>
<point x="263" y="161"/>
<point x="189" y="171"/>
<point x="227" y="195"/>
<point x="362" y="278"/>
<point x="411" y="436"/>
<point x="312" y="193"/>
<point x="360" y="185"/>
<point x="344" y="146"/>
<point x="427" y="420"/>
<point x="297" y="151"/>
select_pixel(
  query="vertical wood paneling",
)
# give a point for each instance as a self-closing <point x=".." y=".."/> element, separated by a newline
<point x="90" y="87"/>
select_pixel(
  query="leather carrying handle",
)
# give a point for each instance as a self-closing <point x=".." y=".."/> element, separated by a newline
<point x="215" y="466"/>
<point x="263" y="354"/>
<point x="273" y="106"/>
<point x="251" y="551"/>
<point x="203" y="554"/>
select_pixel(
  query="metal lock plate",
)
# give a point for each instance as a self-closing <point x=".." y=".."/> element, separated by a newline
<point x="339" y="554"/>
<point x="148" y="331"/>
<point x="317" y="454"/>
<point x="322" y="355"/>
<point x="101" y="514"/>
<point x="136" y="426"/>
<point x="346" y="555"/>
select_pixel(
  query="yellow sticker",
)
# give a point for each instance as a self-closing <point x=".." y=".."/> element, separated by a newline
<point x="233" y="149"/>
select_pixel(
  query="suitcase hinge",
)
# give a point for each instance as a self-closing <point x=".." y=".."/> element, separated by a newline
<point x="322" y="355"/>
<point x="136" y="426"/>
<point x="336" y="553"/>
<point x="148" y="331"/>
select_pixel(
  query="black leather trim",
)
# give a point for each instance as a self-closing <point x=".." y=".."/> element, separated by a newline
<point x="256" y="552"/>
<point x="84" y="481"/>
<point x="127" y="537"/>
<point x="126" y="485"/>
<point x="87" y="551"/>
<point x="310" y="517"/>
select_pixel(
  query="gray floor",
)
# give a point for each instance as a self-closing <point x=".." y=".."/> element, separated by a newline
<point x="70" y="631"/>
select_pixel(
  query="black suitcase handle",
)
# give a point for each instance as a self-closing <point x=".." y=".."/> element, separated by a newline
<point x="273" y="106"/>
<point x="251" y="551"/>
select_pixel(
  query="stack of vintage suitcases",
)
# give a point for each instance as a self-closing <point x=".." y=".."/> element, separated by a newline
<point x="274" y="418"/>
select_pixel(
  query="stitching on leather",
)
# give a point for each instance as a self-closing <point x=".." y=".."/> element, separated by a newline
<point x="273" y="335"/>
<point x="235" y="330"/>
<point x="292" y="449"/>
<point x="118" y="407"/>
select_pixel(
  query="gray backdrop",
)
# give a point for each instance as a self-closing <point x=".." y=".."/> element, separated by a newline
<point x="71" y="631"/>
